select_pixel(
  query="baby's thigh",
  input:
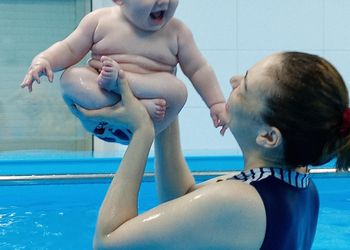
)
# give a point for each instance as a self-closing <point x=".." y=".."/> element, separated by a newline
<point x="79" y="84"/>
<point x="158" y="85"/>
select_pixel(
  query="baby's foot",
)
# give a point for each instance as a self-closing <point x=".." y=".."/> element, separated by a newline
<point x="107" y="79"/>
<point x="155" y="107"/>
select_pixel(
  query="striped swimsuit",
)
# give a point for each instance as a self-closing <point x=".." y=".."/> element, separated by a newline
<point x="291" y="204"/>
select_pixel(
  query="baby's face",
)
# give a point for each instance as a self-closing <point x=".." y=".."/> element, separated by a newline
<point x="149" y="15"/>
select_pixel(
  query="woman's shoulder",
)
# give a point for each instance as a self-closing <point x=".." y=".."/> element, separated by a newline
<point x="223" y="215"/>
<point x="236" y="191"/>
<point x="236" y="209"/>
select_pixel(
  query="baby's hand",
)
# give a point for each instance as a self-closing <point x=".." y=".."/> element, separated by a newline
<point x="218" y="115"/>
<point x="39" y="67"/>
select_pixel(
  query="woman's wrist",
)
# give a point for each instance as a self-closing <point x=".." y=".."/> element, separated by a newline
<point x="146" y="130"/>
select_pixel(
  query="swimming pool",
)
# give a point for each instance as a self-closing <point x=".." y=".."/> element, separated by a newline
<point x="59" y="211"/>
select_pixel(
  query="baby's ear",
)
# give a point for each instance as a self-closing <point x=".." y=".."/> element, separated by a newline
<point x="269" y="137"/>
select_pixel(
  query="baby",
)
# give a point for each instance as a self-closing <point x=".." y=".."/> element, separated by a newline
<point x="142" y="38"/>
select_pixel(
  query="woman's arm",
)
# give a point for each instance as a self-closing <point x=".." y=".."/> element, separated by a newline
<point x="201" y="219"/>
<point x="173" y="176"/>
<point x="120" y="203"/>
<point x="225" y="215"/>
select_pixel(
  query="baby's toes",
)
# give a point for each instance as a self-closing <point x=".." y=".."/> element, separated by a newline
<point x="159" y="115"/>
<point x="161" y="103"/>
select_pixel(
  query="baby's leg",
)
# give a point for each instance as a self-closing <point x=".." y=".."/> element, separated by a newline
<point x="79" y="86"/>
<point x="156" y="108"/>
<point x="163" y="94"/>
<point x="107" y="80"/>
<point x="162" y="90"/>
<point x="156" y="87"/>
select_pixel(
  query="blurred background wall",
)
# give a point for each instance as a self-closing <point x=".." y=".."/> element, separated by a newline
<point x="232" y="34"/>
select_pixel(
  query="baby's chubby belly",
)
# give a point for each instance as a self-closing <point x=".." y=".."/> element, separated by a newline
<point x="135" y="64"/>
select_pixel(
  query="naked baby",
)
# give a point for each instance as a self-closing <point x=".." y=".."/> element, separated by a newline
<point x="142" y="38"/>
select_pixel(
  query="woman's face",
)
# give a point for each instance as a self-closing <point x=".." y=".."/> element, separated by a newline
<point x="247" y="99"/>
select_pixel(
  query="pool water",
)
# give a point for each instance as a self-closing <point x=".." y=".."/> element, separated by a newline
<point x="62" y="215"/>
<point x="55" y="217"/>
<point x="333" y="229"/>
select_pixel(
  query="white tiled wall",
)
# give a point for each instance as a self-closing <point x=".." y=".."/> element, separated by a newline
<point x="234" y="34"/>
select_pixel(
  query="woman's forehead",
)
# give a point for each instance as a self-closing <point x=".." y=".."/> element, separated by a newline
<point x="269" y="62"/>
<point x="261" y="74"/>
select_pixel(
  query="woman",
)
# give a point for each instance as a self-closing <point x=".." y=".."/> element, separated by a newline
<point x="289" y="111"/>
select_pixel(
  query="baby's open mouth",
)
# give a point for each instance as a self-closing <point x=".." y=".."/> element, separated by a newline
<point x="157" y="15"/>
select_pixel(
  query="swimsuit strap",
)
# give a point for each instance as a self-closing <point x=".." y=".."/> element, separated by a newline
<point x="290" y="177"/>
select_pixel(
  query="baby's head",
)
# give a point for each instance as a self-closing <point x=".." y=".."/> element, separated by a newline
<point x="149" y="15"/>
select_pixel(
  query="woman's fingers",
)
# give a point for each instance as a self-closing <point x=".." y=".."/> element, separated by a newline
<point x="125" y="91"/>
<point x="95" y="114"/>
<point x="129" y="111"/>
<point x="109" y="112"/>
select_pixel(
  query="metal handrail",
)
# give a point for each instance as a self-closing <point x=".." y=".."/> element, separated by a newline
<point x="147" y="176"/>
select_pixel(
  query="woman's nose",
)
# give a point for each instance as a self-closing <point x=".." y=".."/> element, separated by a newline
<point x="235" y="81"/>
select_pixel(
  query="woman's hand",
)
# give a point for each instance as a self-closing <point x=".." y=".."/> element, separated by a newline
<point x="129" y="111"/>
<point x="120" y="204"/>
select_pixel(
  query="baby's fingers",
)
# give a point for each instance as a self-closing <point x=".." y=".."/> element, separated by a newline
<point x="27" y="82"/>
<point x="223" y="130"/>
<point x="36" y="77"/>
<point x="215" y="119"/>
<point x="49" y="73"/>
<point x="221" y="123"/>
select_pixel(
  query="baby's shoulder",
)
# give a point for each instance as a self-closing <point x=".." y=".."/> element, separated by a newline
<point x="178" y="25"/>
<point x="108" y="12"/>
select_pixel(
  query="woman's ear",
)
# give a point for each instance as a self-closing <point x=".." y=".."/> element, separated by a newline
<point x="269" y="137"/>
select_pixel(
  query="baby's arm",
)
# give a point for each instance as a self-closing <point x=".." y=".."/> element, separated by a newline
<point x="63" y="54"/>
<point x="201" y="74"/>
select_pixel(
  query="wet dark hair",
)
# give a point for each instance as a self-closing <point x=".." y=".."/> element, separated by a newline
<point x="308" y="109"/>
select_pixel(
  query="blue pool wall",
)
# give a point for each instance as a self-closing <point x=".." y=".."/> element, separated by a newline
<point x="54" y="164"/>
<point x="89" y="165"/>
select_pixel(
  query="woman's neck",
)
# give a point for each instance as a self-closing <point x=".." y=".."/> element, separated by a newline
<point x="252" y="161"/>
